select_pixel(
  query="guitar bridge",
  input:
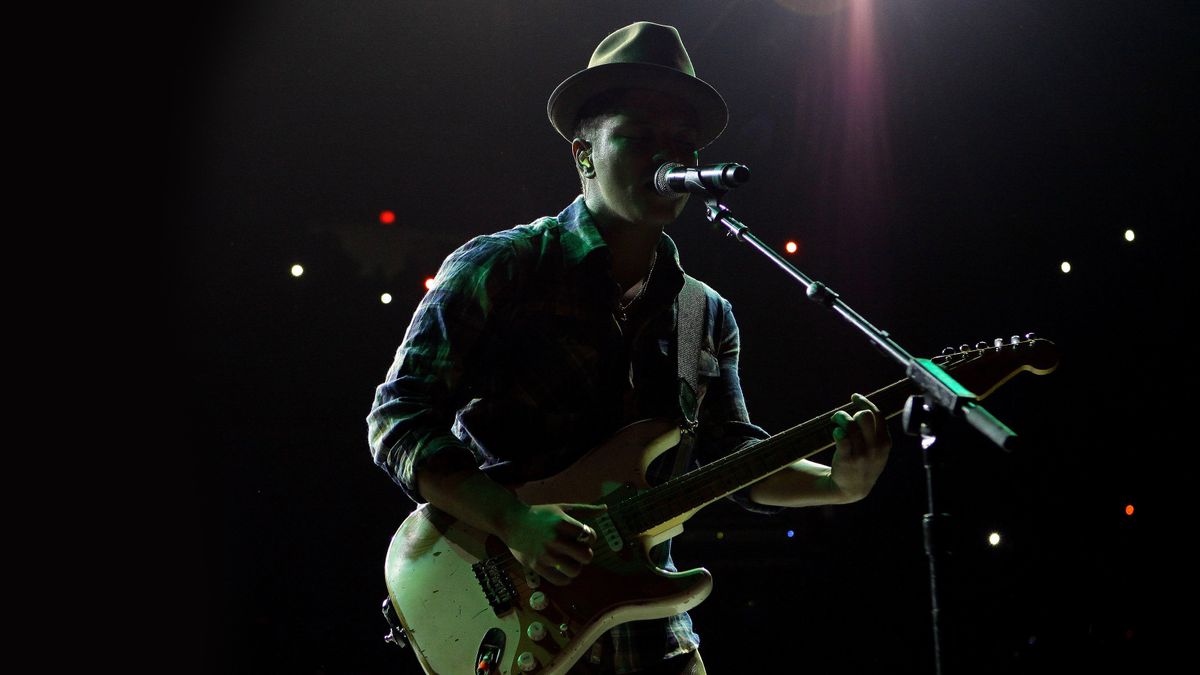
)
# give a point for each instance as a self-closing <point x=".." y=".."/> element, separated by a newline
<point x="496" y="584"/>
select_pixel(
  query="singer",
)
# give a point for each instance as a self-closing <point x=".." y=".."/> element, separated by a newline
<point x="537" y="343"/>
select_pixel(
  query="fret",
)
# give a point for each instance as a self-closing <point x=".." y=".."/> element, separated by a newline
<point x="722" y="477"/>
<point x="980" y="369"/>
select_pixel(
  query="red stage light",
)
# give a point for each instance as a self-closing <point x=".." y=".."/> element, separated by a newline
<point x="387" y="217"/>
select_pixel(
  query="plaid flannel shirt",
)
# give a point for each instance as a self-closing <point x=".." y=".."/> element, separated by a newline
<point x="520" y="354"/>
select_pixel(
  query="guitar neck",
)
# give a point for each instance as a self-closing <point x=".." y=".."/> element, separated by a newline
<point x="707" y="484"/>
<point x="982" y="370"/>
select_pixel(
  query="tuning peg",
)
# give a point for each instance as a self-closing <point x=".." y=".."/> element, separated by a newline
<point x="998" y="343"/>
<point x="964" y="347"/>
<point x="947" y="351"/>
<point x="1030" y="336"/>
<point x="981" y="345"/>
<point x="1014" y="340"/>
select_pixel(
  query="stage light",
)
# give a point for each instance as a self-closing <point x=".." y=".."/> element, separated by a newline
<point x="994" y="539"/>
<point x="1129" y="509"/>
<point x="1128" y="235"/>
<point x="297" y="270"/>
<point x="387" y="217"/>
<point x="791" y="533"/>
<point x="792" y="247"/>
<point x="428" y="283"/>
<point x="1065" y="267"/>
<point x="720" y="535"/>
<point x="386" y="298"/>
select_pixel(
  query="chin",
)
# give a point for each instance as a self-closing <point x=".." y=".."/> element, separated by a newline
<point x="660" y="217"/>
<point x="664" y="210"/>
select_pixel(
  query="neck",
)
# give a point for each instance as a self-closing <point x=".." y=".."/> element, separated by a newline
<point x="632" y="255"/>
<point x="632" y="246"/>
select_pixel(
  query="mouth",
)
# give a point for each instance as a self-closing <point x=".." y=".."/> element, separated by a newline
<point x="670" y="196"/>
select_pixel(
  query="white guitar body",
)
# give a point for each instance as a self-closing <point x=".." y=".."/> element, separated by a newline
<point x="446" y="611"/>
<point x="459" y="593"/>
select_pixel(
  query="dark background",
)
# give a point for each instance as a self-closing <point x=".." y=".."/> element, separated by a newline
<point x="936" y="160"/>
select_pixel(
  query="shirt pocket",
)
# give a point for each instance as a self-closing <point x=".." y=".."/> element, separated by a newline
<point x="709" y="365"/>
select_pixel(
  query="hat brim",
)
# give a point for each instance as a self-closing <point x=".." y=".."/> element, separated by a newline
<point x="565" y="102"/>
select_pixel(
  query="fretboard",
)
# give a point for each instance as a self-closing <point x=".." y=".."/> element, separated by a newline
<point x="707" y="484"/>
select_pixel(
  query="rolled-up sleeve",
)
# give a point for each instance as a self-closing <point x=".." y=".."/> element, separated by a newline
<point x="429" y="380"/>
<point x="724" y="422"/>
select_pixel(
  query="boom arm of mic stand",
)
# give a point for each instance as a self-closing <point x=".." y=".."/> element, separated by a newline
<point x="940" y="389"/>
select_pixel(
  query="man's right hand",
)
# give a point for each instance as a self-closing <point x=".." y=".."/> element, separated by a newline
<point x="549" y="540"/>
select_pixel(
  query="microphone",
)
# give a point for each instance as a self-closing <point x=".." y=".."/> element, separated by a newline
<point x="674" y="179"/>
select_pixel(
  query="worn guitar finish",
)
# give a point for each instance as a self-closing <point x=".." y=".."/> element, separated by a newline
<point x="459" y="590"/>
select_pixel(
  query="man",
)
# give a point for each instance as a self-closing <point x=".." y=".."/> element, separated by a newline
<point x="538" y="342"/>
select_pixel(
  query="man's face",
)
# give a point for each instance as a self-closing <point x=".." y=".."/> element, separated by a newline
<point x="644" y="130"/>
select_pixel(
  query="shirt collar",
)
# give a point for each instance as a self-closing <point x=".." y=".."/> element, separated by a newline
<point x="671" y="275"/>
<point x="580" y="236"/>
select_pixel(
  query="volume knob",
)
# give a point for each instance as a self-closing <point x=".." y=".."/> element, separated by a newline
<point x="526" y="662"/>
<point x="538" y="601"/>
<point x="536" y="631"/>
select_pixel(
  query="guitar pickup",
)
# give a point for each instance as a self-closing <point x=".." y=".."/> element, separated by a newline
<point x="608" y="530"/>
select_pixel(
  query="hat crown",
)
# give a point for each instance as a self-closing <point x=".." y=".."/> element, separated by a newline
<point x="642" y="55"/>
<point x="644" y="42"/>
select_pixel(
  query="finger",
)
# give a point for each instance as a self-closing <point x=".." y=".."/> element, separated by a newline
<point x="865" y="421"/>
<point x="574" y="529"/>
<point x="847" y="433"/>
<point x="549" y="573"/>
<point x="855" y="438"/>
<point x="584" y="509"/>
<point x="878" y="436"/>
<point x="866" y="407"/>
<point x="876" y="432"/>
<point x="577" y="531"/>
<point x="864" y="402"/>
<point x="565" y="566"/>
<point x="842" y="421"/>
<point x="574" y="550"/>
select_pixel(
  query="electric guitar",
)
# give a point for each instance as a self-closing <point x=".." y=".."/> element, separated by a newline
<point x="469" y="607"/>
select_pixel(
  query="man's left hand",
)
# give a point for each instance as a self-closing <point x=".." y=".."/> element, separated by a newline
<point x="863" y="442"/>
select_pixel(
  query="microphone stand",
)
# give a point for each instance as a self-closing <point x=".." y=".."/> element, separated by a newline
<point x="942" y="398"/>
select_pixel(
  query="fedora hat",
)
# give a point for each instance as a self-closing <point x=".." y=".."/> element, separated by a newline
<point x="642" y="55"/>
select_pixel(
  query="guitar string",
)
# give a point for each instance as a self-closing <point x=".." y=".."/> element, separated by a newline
<point x="665" y="496"/>
<point x="656" y="498"/>
<point x="602" y="553"/>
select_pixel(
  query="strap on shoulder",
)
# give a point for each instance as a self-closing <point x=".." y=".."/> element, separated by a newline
<point x="690" y="307"/>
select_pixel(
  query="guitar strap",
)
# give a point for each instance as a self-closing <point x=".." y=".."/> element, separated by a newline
<point x="689" y="312"/>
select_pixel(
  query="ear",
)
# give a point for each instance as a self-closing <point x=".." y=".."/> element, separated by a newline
<point x="582" y="150"/>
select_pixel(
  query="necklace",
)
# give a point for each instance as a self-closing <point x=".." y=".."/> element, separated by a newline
<point x="641" y="291"/>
